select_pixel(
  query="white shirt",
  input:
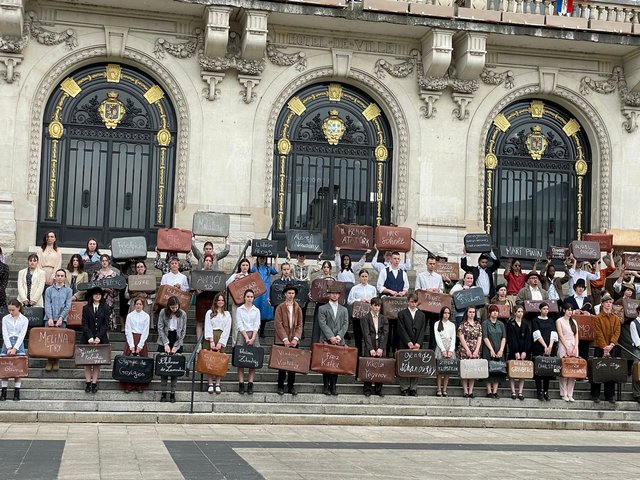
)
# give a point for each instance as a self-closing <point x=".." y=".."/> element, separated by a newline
<point x="429" y="280"/>
<point x="483" y="281"/>
<point x="413" y="311"/>
<point x="218" y="322"/>
<point x="553" y="294"/>
<point x="381" y="266"/>
<point x="383" y="278"/>
<point x="361" y="292"/>
<point x="334" y="307"/>
<point x="635" y="335"/>
<point x="574" y="275"/>
<point x="14" y="327"/>
<point x="448" y="331"/>
<point x="173" y="278"/>
<point x="347" y="275"/>
<point x="536" y="294"/>
<point x="579" y="300"/>
<point x="137" y="322"/>
<point x="173" y="323"/>
<point x="248" y="320"/>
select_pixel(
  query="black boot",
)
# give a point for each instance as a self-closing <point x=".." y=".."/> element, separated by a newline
<point x="16" y="394"/>
<point x="327" y="390"/>
<point x="163" y="397"/>
<point x="3" y="395"/>
<point x="87" y="387"/>
<point x="94" y="387"/>
<point x="250" y="388"/>
<point x="241" y="388"/>
<point x="172" y="397"/>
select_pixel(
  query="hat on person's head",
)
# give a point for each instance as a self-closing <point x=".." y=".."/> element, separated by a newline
<point x="580" y="283"/>
<point x="627" y="285"/>
<point x="493" y="308"/>
<point x="442" y="254"/>
<point x="606" y="298"/>
<point x="288" y="287"/>
<point x="533" y="273"/>
<point x="334" y="288"/>
<point x="502" y="285"/>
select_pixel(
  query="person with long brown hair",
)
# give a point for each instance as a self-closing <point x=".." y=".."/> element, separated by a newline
<point x="445" y="335"/>
<point x="49" y="257"/>
<point x="76" y="275"/>
<point x="470" y="341"/>
<point x="14" y="330"/>
<point x="136" y="332"/>
<point x="217" y="327"/>
<point x="519" y="344"/>
<point x="172" y="328"/>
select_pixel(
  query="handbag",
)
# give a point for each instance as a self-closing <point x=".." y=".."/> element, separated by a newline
<point x="212" y="363"/>
<point x="448" y="366"/>
<point x="497" y="367"/>
<point x="170" y="365"/>
<point x="333" y="359"/>
<point x="547" y="366"/>
<point x="247" y="356"/>
<point x="573" y="367"/>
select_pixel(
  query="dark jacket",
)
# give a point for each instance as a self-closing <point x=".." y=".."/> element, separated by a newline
<point x="95" y="324"/>
<point x="369" y="333"/>
<point x="587" y="306"/>
<point x="410" y="330"/>
<point x="475" y="271"/>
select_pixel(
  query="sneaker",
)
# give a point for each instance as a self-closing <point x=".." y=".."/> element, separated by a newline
<point x="210" y="389"/>
<point x="218" y="390"/>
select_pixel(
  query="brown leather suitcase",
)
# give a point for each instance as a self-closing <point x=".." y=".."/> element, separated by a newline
<point x="635" y="372"/>
<point x="391" y="306"/>
<point x="360" y="309"/>
<point x="142" y="283"/>
<point x="604" y="239"/>
<point x="586" y="327"/>
<point x="533" y="306"/>
<point x="318" y="290"/>
<point x="167" y="291"/>
<point x="16" y="366"/>
<point x="253" y="281"/>
<point x="585" y="251"/>
<point x="353" y="237"/>
<point x="92" y="354"/>
<point x="433" y="302"/>
<point x="450" y="269"/>
<point x="290" y="359"/>
<point x="212" y="363"/>
<point x="174" y="240"/>
<point x="51" y="342"/>
<point x="631" y="261"/>
<point x="573" y="367"/>
<point x="377" y="370"/>
<point x="520" y="369"/>
<point x="74" y="320"/>
<point x="333" y="359"/>
<point x="392" y="239"/>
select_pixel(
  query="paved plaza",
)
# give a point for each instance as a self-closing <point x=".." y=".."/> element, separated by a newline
<point x="103" y="451"/>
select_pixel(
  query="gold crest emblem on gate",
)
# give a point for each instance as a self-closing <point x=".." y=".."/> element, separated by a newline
<point x="536" y="142"/>
<point x="111" y="110"/>
<point x="333" y="127"/>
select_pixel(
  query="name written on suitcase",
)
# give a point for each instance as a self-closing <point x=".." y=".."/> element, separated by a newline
<point x="92" y="355"/>
<point x="132" y="368"/>
<point x="170" y="365"/>
<point x="247" y="358"/>
<point x="416" y="363"/>
<point x="53" y="341"/>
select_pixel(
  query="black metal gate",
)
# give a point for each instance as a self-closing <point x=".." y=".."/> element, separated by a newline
<point x="332" y="162"/>
<point x="538" y="176"/>
<point x="108" y="157"/>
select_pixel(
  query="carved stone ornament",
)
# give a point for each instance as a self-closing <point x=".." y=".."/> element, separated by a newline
<point x="399" y="70"/>
<point x="629" y="100"/>
<point x="12" y="47"/>
<point x="490" y="77"/>
<point x="277" y="57"/>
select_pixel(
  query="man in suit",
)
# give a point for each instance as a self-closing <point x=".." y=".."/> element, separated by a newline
<point x="483" y="273"/>
<point x="411" y="327"/>
<point x="375" y="328"/>
<point x="288" y="325"/>
<point x="333" y="320"/>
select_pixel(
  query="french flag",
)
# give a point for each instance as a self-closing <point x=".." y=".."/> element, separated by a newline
<point x="564" y="7"/>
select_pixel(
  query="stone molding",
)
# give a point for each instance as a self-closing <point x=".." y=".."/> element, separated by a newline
<point x="83" y="56"/>
<point x="397" y="118"/>
<point x="603" y="144"/>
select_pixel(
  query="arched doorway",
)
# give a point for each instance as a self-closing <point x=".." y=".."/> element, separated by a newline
<point x="537" y="176"/>
<point x="331" y="161"/>
<point x="108" y="157"/>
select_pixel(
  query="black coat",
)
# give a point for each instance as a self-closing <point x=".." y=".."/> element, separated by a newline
<point x="410" y="330"/>
<point x="587" y="306"/>
<point x="369" y="333"/>
<point x="519" y="339"/>
<point x="95" y="324"/>
<point x="492" y="266"/>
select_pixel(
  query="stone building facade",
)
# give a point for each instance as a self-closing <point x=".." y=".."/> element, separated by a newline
<point x="120" y="117"/>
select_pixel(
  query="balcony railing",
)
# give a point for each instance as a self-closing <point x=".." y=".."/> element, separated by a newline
<point x="622" y="16"/>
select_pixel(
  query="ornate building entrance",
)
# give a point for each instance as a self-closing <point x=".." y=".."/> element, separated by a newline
<point x="108" y="157"/>
<point x="537" y="176"/>
<point x="332" y="158"/>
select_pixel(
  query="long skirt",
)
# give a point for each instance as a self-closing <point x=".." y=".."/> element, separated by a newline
<point x="127" y="352"/>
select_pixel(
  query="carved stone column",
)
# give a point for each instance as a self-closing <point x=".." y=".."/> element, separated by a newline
<point x="254" y="34"/>
<point x="216" y="35"/>
<point x="10" y="61"/>
<point x="212" y="92"/>
<point x="436" y="52"/>
<point x="249" y="82"/>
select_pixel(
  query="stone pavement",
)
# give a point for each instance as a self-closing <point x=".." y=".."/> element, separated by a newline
<point x="98" y="451"/>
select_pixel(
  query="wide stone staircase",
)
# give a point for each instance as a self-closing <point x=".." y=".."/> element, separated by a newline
<point x="60" y="397"/>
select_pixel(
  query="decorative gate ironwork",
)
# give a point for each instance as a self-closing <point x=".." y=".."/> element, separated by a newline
<point x="332" y="162"/>
<point x="537" y="176"/>
<point x="108" y="157"/>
